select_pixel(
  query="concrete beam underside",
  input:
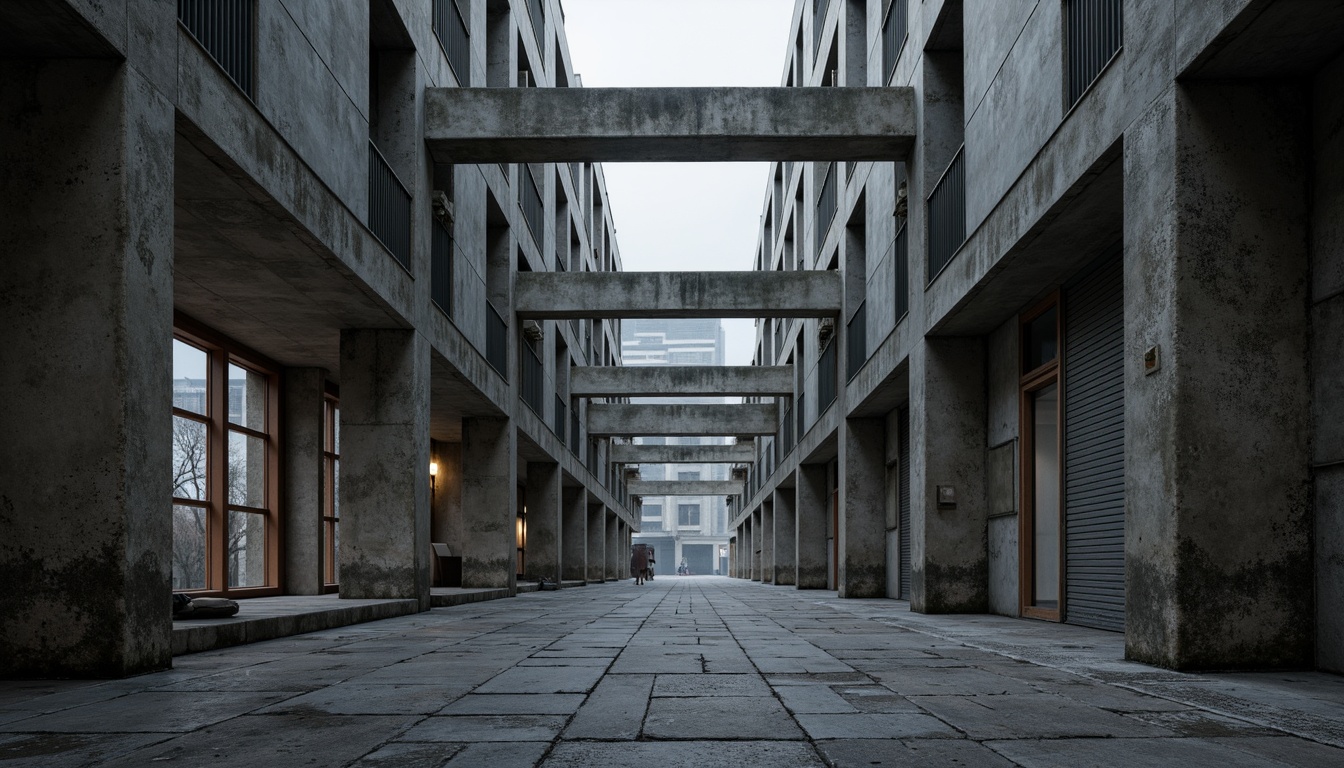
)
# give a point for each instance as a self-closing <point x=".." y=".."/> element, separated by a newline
<point x="682" y="454"/>
<point x="720" y="124"/>
<point x="659" y="381"/>
<point x="605" y="295"/>
<point x="684" y="487"/>
<point x="618" y="419"/>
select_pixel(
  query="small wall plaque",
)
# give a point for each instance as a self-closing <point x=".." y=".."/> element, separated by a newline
<point x="1152" y="360"/>
<point x="947" y="497"/>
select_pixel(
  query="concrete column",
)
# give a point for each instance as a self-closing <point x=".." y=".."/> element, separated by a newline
<point x="863" y="532"/>
<point x="756" y="541"/>
<point x="384" y="484"/>
<point x="949" y="546"/>
<point x="767" y="543"/>
<point x="785" y="537"/>
<point x="596" y="562"/>
<point x="543" y="520"/>
<point x="304" y="479"/>
<point x="1218" y="499"/>
<point x="574" y="534"/>
<point x="489" y="503"/>
<point x="810" y="515"/>
<point x="86" y="304"/>
<point x="618" y="560"/>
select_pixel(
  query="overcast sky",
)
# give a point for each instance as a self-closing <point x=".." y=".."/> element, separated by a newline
<point x="684" y="216"/>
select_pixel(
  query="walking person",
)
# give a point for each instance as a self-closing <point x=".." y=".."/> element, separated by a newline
<point x="639" y="561"/>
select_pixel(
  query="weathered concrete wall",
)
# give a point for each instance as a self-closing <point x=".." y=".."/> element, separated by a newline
<point x="704" y="420"/>
<point x="767" y="544"/>
<point x="86" y="303"/>
<point x="1327" y="325"/>
<point x="489" y="503"/>
<point x="384" y="483"/>
<point x="1218" y="571"/>
<point x="446" y="519"/>
<point x="618" y="554"/>
<point x="604" y="295"/>
<point x="863" y="550"/>
<point x="597" y="544"/>
<point x="811" y="518"/>
<point x="786" y="537"/>
<point x="1003" y="367"/>
<point x="305" y="479"/>
<point x="544" y="525"/>
<point x="533" y="125"/>
<point x="574" y="535"/>
<point x="949" y="547"/>
<point x="676" y="380"/>
<point x="682" y="454"/>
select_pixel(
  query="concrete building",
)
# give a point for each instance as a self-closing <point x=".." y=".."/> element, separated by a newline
<point x="690" y="528"/>
<point x="1050" y="293"/>
<point x="1087" y="367"/>
<point x="237" y="197"/>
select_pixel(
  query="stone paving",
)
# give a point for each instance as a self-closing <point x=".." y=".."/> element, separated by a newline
<point x="698" y="671"/>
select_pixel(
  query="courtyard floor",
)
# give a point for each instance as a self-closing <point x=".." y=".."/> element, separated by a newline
<point x="694" y="671"/>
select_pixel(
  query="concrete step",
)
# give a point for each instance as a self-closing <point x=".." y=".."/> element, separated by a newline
<point x="266" y="618"/>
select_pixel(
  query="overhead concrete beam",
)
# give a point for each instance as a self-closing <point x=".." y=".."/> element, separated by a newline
<point x="742" y="453"/>
<point x="660" y="380"/>
<point x="562" y="295"/>
<point x="684" y="487"/>
<point x="607" y="419"/>
<point x="570" y="125"/>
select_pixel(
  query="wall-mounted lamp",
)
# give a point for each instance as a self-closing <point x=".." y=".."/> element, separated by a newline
<point x="433" y="473"/>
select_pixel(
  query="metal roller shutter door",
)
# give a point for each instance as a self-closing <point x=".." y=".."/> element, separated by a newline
<point x="903" y="497"/>
<point x="1094" y="446"/>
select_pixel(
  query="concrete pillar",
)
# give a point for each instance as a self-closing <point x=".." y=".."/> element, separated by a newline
<point x="810" y="515"/>
<point x="767" y="543"/>
<point x="756" y="541"/>
<point x="1218" y="499"/>
<point x="949" y="545"/>
<point x="618" y="560"/>
<point x="86" y="229"/>
<point x="304" y="479"/>
<point x="543" y="520"/>
<point x="384" y="483"/>
<point x="489" y="503"/>
<point x="863" y="532"/>
<point x="596" y="562"/>
<point x="574" y="534"/>
<point x="785" y="537"/>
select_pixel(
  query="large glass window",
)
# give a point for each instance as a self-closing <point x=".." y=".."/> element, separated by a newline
<point x="224" y="478"/>
<point x="688" y="515"/>
<point x="1040" y="521"/>
<point x="331" y="502"/>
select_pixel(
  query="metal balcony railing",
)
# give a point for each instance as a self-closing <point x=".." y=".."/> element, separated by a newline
<point x="818" y="21"/>
<point x="827" y="373"/>
<point x="856" y="339"/>
<point x="1094" y="32"/>
<point x="537" y="12"/>
<point x="827" y="202"/>
<point x="894" y="28"/>
<point x="947" y="214"/>
<point x="529" y="198"/>
<point x="534" y="379"/>
<point x="902" y="289"/>
<point x="786" y="434"/>
<point x="496" y="340"/>
<point x="450" y="25"/>
<point x="575" y="440"/>
<point x="225" y="28"/>
<point x="389" y="208"/>
<point x="560" y="418"/>
<point x="800" y="413"/>
<point x="441" y="268"/>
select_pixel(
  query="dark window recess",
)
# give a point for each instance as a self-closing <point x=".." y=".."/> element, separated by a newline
<point x="1040" y="341"/>
<point x="441" y="268"/>
<point x="538" y="14"/>
<point x="575" y="443"/>
<point x="894" y="28"/>
<point x="389" y="208"/>
<point x="496" y="340"/>
<point x="947" y="215"/>
<point x="856" y="336"/>
<point x="827" y="370"/>
<point x="1094" y="33"/>
<point x="827" y="201"/>
<point x="902" y="297"/>
<point x="786" y="433"/>
<point x="225" y="29"/>
<point x="534" y="379"/>
<point x="818" y="21"/>
<point x="529" y="197"/>
<point x="450" y="26"/>
<point x="558" y="426"/>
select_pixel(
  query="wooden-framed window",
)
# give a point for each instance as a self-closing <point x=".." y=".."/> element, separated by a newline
<point x="1041" y="532"/>
<point x="331" y="500"/>
<point x="226" y="486"/>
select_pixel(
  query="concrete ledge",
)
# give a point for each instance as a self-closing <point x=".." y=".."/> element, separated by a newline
<point x="605" y="295"/>
<point x="742" y="453"/>
<point x="664" y="380"/>
<point x="685" y="487"/>
<point x="679" y="420"/>
<point x="719" y="124"/>
<point x="266" y="618"/>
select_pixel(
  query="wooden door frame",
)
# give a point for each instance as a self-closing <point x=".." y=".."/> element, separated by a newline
<point x="1051" y="372"/>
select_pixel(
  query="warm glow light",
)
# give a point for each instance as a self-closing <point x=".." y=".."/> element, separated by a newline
<point x="433" y="468"/>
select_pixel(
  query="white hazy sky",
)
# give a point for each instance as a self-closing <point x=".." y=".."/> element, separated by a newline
<point x="684" y="216"/>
